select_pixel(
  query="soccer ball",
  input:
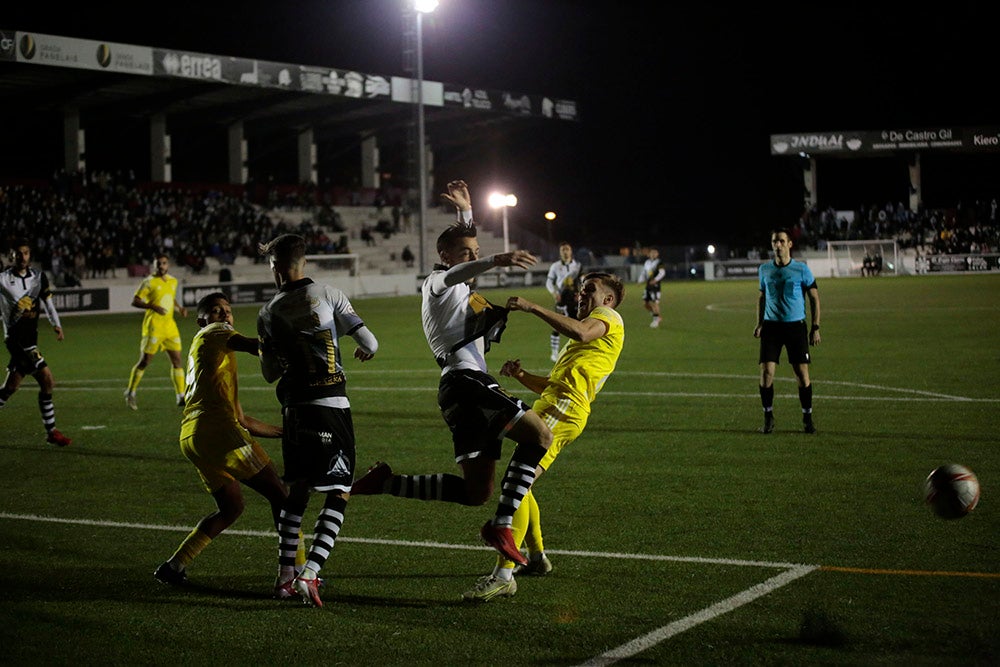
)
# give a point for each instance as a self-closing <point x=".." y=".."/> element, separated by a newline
<point x="952" y="491"/>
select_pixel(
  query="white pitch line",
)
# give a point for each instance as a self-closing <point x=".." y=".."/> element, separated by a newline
<point x="404" y="543"/>
<point x="87" y="385"/>
<point x="651" y="639"/>
<point x="653" y="394"/>
<point x="627" y="650"/>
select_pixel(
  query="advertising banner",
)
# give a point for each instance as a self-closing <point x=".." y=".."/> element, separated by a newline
<point x="239" y="293"/>
<point x="81" y="300"/>
<point x="8" y="40"/>
<point x="963" y="263"/>
<point x="518" y="104"/>
<point x="33" y="47"/>
<point x="881" y="142"/>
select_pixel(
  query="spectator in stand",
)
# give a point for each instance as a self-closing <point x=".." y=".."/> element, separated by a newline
<point x="407" y="256"/>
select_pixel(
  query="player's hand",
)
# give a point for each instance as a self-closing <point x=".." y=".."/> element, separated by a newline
<point x="519" y="303"/>
<point x="361" y="355"/>
<point x="184" y="311"/>
<point x="756" y="331"/>
<point x="511" y="368"/>
<point x="520" y="258"/>
<point x="814" y="337"/>
<point x="458" y="195"/>
<point x="59" y="332"/>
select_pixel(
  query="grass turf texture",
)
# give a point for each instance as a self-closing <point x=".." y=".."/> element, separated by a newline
<point x="907" y="378"/>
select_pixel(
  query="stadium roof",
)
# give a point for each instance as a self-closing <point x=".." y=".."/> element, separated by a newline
<point x="46" y="73"/>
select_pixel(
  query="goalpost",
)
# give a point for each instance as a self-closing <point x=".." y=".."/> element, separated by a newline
<point x="346" y="264"/>
<point x="342" y="269"/>
<point x="873" y="257"/>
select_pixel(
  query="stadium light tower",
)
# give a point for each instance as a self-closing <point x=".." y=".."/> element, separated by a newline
<point x="422" y="7"/>
<point x="503" y="202"/>
<point x="550" y="216"/>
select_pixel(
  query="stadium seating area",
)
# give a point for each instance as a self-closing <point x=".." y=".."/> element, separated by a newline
<point x="963" y="229"/>
<point x="110" y="228"/>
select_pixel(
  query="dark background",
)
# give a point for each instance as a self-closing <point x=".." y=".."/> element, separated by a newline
<point x="676" y="102"/>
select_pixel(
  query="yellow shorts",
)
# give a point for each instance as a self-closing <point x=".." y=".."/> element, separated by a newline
<point x="566" y="427"/>
<point x="154" y="344"/>
<point x="223" y="453"/>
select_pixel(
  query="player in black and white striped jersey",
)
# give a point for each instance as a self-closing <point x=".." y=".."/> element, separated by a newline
<point x="299" y="333"/>
<point x="24" y="293"/>
<point x="459" y="325"/>
<point x="563" y="283"/>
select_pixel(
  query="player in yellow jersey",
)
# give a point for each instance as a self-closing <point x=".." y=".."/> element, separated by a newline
<point x="596" y="337"/>
<point x="157" y="295"/>
<point x="218" y="437"/>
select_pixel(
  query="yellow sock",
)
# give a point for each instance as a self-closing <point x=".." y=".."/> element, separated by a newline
<point x="533" y="538"/>
<point x="177" y="375"/>
<point x="189" y="549"/>
<point x="518" y="528"/>
<point x="300" y="553"/>
<point x="135" y="377"/>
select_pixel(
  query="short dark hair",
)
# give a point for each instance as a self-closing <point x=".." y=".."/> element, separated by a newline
<point x="286" y="248"/>
<point x="19" y="242"/>
<point x="449" y="236"/>
<point x="781" y="230"/>
<point x="609" y="280"/>
<point x="205" y="302"/>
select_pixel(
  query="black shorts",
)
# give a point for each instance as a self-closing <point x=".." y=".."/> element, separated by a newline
<point x="318" y="447"/>
<point x="567" y="303"/>
<point x="789" y="335"/>
<point x="479" y="413"/>
<point x="24" y="361"/>
<point x="651" y="294"/>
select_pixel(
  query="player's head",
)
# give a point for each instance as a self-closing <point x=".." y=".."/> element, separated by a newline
<point x="286" y="254"/>
<point x="781" y="242"/>
<point x="565" y="251"/>
<point x="20" y="253"/>
<point x="214" y="307"/>
<point x="160" y="264"/>
<point x="458" y="245"/>
<point x="599" y="289"/>
<point x="653" y="253"/>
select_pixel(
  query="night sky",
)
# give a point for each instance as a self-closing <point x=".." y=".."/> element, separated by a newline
<point x="676" y="108"/>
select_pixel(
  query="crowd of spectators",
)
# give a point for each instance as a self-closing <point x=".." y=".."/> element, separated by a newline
<point x="963" y="229"/>
<point x="91" y="228"/>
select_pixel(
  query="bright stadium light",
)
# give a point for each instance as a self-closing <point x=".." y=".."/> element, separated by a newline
<point x="503" y="202"/>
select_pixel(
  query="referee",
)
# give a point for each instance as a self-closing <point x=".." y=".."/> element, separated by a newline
<point x="781" y="322"/>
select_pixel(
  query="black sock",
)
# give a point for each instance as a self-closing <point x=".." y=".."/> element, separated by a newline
<point x="806" y="399"/>
<point x="442" y="486"/>
<point x="767" y="398"/>
<point x="517" y="481"/>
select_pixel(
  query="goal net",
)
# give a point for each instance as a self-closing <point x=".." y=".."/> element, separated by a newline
<point x="875" y="257"/>
<point x="344" y="265"/>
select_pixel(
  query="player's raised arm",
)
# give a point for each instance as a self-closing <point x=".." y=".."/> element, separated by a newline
<point x="458" y="195"/>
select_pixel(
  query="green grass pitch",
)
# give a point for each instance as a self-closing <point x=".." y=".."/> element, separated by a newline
<point x="679" y="534"/>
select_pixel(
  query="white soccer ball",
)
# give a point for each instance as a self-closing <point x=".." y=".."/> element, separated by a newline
<point x="952" y="491"/>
